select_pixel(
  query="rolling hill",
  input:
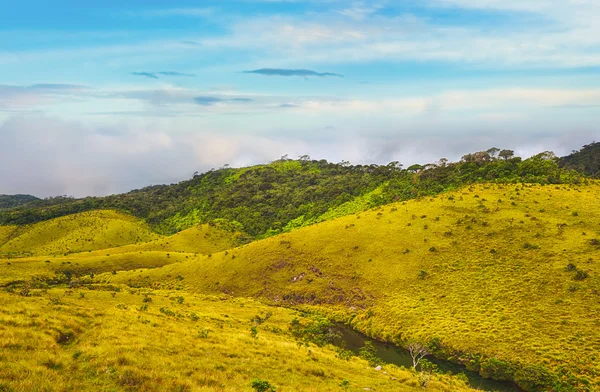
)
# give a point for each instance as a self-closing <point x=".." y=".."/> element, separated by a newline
<point x="76" y="233"/>
<point x="286" y="194"/>
<point x="12" y="201"/>
<point x="502" y="278"/>
<point x="484" y="270"/>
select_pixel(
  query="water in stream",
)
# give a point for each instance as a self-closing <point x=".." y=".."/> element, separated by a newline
<point x="389" y="353"/>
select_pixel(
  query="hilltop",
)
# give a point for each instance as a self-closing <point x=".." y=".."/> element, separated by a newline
<point x="11" y="201"/>
<point x="286" y="194"/>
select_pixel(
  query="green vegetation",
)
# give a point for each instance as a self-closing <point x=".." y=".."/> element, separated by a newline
<point x="11" y="201"/>
<point x="585" y="161"/>
<point x="75" y="233"/>
<point x="269" y="199"/>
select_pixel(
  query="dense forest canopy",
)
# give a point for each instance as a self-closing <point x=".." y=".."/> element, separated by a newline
<point x="11" y="201"/>
<point x="268" y="199"/>
<point x="586" y="160"/>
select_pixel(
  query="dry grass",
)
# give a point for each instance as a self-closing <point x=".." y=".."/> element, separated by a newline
<point x="108" y="340"/>
<point x="484" y="270"/>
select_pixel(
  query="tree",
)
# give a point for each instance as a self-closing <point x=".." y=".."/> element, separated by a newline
<point x="417" y="352"/>
<point x="506" y="154"/>
<point x="415" y="168"/>
<point x="493" y="151"/>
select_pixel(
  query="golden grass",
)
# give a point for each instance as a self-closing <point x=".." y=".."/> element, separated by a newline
<point x="5" y="233"/>
<point x="484" y="270"/>
<point x="109" y="340"/>
<point x="202" y="239"/>
<point x="77" y="233"/>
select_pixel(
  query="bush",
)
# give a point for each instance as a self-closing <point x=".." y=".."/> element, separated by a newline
<point x="496" y="369"/>
<point x="262" y="386"/>
<point x="534" y="378"/>
<point x="369" y="353"/>
<point x="581" y="275"/>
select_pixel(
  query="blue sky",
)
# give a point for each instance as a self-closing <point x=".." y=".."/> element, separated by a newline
<point x="102" y="97"/>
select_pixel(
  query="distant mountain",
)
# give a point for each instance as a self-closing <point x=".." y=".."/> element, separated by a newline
<point x="10" y="201"/>
<point x="586" y="160"/>
<point x="268" y="199"/>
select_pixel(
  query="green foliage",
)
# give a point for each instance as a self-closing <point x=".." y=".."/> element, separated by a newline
<point x="345" y="384"/>
<point x="262" y="386"/>
<point x="286" y="194"/>
<point x="369" y="353"/>
<point x="585" y="161"/>
<point x="317" y="330"/>
<point x="11" y="201"/>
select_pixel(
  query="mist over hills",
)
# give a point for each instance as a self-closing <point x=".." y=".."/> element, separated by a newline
<point x="285" y="194"/>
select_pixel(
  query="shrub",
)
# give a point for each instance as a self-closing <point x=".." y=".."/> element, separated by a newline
<point x="262" y="386"/>
<point x="369" y="353"/>
<point x="581" y="275"/>
<point x="65" y="338"/>
<point x="496" y="369"/>
<point x="534" y="378"/>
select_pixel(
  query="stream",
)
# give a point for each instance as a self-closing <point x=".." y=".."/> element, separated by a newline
<point x="353" y="341"/>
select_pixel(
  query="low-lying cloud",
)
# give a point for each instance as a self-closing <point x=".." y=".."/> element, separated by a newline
<point x="46" y="156"/>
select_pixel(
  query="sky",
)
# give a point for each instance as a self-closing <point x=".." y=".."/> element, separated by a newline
<point x="101" y="97"/>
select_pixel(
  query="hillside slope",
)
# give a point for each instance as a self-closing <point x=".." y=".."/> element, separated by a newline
<point x="11" y="201"/>
<point x="503" y="278"/>
<point x="77" y="233"/>
<point x="129" y="340"/>
<point x="265" y="200"/>
<point x="201" y="239"/>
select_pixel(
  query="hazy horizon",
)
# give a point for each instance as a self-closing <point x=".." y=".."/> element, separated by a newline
<point x="101" y="100"/>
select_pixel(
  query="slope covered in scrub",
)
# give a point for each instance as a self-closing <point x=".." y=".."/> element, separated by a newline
<point x="107" y="338"/>
<point x="502" y="278"/>
<point x="77" y="233"/>
<point x="202" y="239"/>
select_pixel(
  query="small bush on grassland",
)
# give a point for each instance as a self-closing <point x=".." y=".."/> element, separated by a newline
<point x="581" y="275"/>
<point x="262" y="386"/>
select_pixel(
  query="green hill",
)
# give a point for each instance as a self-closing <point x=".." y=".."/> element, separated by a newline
<point x="502" y="278"/>
<point x="11" y="201"/>
<point x="76" y="233"/>
<point x="269" y="199"/>
<point x="586" y="160"/>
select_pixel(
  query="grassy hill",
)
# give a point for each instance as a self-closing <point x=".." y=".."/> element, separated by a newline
<point x="134" y="340"/>
<point x="111" y="232"/>
<point x="202" y="239"/>
<point x="503" y="278"/>
<point x="76" y="233"/>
